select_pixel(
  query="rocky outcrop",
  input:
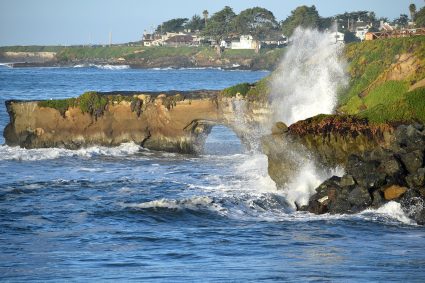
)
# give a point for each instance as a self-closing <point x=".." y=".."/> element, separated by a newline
<point x="382" y="163"/>
<point x="375" y="177"/>
<point x="170" y="121"/>
<point x="29" y="57"/>
<point x="328" y="139"/>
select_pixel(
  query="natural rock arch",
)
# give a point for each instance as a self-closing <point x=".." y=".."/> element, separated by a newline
<point x="163" y="123"/>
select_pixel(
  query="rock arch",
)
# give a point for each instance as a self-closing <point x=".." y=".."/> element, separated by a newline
<point x="164" y="123"/>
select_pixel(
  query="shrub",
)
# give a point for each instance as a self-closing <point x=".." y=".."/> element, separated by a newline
<point x="92" y="103"/>
<point x="241" y="89"/>
<point x="61" y="105"/>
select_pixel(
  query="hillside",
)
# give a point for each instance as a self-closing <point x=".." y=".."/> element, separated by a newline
<point x="387" y="80"/>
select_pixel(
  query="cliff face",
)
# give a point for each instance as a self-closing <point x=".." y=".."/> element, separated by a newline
<point x="169" y="121"/>
<point x="382" y="163"/>
<point x="328" y="139"/>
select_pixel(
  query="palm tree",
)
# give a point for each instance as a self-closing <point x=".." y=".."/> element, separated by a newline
<point x="205" y="13"/>
<point x="412" y="9"/>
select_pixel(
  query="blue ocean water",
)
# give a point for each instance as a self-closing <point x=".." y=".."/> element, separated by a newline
<point x="129" y="214"/>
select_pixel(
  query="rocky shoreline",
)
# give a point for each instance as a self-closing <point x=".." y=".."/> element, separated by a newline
<point x="382" y="163"/>
<point x="174" y="62"/>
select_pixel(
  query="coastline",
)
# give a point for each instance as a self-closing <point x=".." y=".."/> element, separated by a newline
<point x="141" y="58"/>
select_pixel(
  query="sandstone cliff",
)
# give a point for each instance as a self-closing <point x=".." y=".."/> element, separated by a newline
<point x="170" y="121"/>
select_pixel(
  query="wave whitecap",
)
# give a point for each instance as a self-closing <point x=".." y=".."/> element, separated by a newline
<point x="103" y="67"/>
<point x="22" y="154"/>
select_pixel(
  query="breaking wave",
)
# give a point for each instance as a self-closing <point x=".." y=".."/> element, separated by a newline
<point x="103" y="67"/>
<point x="22" y="154"/>
<point x="8" y="65"/>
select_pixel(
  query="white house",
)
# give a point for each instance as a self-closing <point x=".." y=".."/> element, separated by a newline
<point x="245" y="42"/>
<point x="224" y="44"/>
<point x="336" y="37"/>
<point x="361" y="31"/>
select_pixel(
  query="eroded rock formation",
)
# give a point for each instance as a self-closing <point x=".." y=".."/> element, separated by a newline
<point x="382" y="163"/>
<point x="170" y="121"/>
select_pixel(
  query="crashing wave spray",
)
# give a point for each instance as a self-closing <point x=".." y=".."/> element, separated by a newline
<point x="308" y="77"/>
<point x="305" y="85"/>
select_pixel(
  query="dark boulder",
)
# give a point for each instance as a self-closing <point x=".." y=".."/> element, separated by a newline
<point x="417" y="179"/>
<point x="375" y="177"/>
<point x="413" y="160"/>
<point x="359" y="198"/>
<point x="365" y="172"/>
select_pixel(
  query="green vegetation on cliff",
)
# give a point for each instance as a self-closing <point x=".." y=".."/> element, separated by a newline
<point x="253" y="92"/>
<point x="92" y="103"/>
<point x="381" y="74"/>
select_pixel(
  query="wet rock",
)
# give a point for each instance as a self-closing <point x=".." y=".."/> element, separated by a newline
<point x="377" y="198"/>
<point x="413" y="160"/>
<point x="413" y="204"/>
<point x="325" y="194"/>
<point x="394" y="192"/>
<point x="339" y="201"/>
<point x="408" y="138"/>
<point x="391" y="166"/>
<point x="365" y="172"/>
<point x="347" y="181"/>
<point x="359" y="198"/>
<point x="417" y="179"/>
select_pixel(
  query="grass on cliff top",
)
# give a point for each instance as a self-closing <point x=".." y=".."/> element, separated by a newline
<point x="410" y="107"/>
<point x="89" y="102"/>
<point x="31" y="48"/>
<point x="369" y="95"/>
<point x="258" y="91"/>
<point x="98" y="52"/>
<point x="369" y="59"/>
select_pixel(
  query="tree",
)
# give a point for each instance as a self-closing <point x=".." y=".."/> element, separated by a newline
<point x="195" y="23"/>
<point x="420" y="18"/>
<point x="256" y="21"/>
<point x="412" y="10"/>
<point x="402" y="21"/>
<point x="303" y="16"/>
<point x="173" y="25"/>
<point x="219" y="25"/>
<point x="205" y="14"/>
<point x="347" y="20"/>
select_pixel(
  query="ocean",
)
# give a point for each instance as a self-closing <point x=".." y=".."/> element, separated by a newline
<point x="130" y="214"/>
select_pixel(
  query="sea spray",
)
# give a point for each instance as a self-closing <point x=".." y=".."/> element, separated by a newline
<point x="306" y="84"/>
<point x="308" y="78"/>
<point x="245" y="126"/>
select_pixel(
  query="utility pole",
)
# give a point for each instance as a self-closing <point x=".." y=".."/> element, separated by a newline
<point x="110" y="39"/>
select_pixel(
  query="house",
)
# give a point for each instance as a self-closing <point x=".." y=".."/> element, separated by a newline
<point x="180" y="40"/>
<point x="245" y="42"/>
<point x="274" y="41"/>
<point x="151" y="39"/>
<point x="336" y="37"/>
<point x="225" y="44"/>
<point x="359" y="28"/>
<point x="361" y="32"/>
<point x="384" y="26"/>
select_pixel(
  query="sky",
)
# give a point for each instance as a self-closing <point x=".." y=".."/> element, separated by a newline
<point x="67" y="22"/>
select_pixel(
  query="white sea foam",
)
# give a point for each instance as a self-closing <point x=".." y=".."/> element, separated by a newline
<point x="103" y="67"/>
<point x="391" y="210"/>
<point x="193" y="203"/>
<point x="302" y="186"/>
<point x="9" y="65"/>
<point x="18" y="153"/>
